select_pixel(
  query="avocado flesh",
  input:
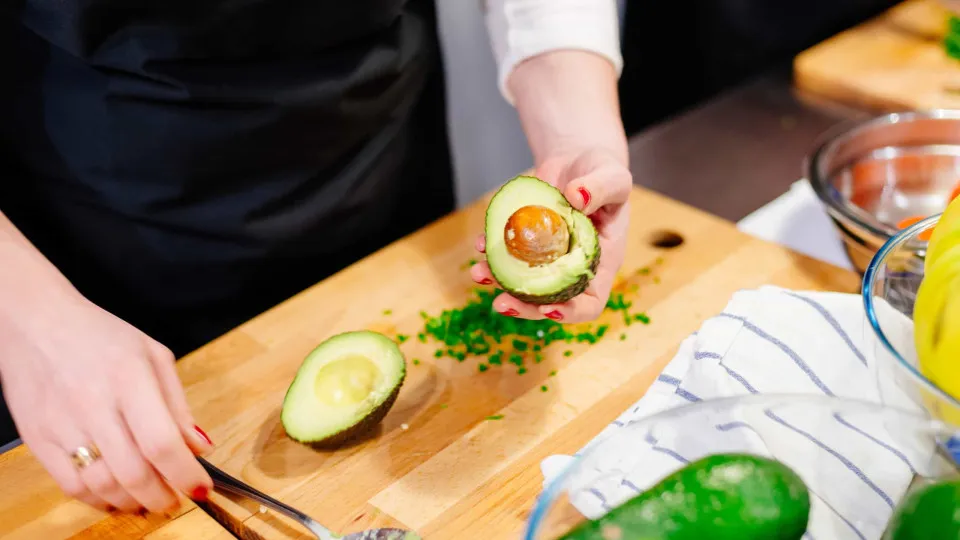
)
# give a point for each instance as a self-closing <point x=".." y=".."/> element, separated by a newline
<point x="343" y="388"/>
<point x="553" y="282"/>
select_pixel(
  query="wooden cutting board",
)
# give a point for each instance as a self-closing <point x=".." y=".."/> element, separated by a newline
<point x="893" y="62"/>
<point x="438" y="465"/>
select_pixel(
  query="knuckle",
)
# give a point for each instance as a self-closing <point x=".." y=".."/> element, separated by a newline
<point x="160" y="449"/>
<point x="73" y="488"/>
<point x="103" y="483"/>
<point x="136" y="477"/>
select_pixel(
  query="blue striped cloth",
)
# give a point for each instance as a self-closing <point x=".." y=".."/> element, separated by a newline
<point x="771" y="341"/>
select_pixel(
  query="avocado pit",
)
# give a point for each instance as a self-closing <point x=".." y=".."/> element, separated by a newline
<point x="536" y="235"/>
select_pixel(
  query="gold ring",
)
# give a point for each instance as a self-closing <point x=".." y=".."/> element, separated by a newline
<point x="85" y="455"/>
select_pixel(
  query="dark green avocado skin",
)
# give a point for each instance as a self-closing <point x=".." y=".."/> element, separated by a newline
<point x="358" y="430"/>
<point x="702" y="502"/>
<point x="560" y="296"/>
<point x="930" y="512"/>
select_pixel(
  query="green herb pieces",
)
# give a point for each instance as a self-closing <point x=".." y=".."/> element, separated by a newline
<point x="496" y="359"/>
<point x="543" y="388"/>
<point x="388" y="312"/>
<point x="567" y="353"/>
<point x="623" y="337"/>
<point x="515" y="359"/>
<point x="482" y="367"/>
<point x="520" y="345"/>
<point x="521" y="371"/>
<point x="553" y="373"/>
<point x="495" y="417"/>
<point x="951" y="41"/>
<point x="416" y="361"/>
<point x="401" y="338"/>
<point x="422" y="337"/>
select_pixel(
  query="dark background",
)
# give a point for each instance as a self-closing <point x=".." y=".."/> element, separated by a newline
<point x="678" y="54"/>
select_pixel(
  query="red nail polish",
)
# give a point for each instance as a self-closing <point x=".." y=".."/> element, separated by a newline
<point x="486" y="281"/>
<point x="199" y="493"/>
<point x="510" y="312"/>
<point x="585" y="194"/>
<point x="203" y="434"/>
<point x="555" y="315"/>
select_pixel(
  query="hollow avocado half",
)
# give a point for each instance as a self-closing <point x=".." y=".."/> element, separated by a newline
<point x="558" y="280"/>
<point x="343" y="388"/>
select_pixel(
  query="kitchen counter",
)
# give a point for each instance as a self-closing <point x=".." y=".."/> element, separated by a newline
<point x="739" y="150"/>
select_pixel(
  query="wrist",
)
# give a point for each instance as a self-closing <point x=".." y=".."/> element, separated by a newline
<point x="567" y="100"/>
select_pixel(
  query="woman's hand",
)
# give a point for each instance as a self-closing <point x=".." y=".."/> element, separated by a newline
<point x="76" y="376"/>
<point x="596" y="183"/>
<point x="567" y="101"/>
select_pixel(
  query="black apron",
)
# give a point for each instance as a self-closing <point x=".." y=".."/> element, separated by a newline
<point x="187" y="165"/>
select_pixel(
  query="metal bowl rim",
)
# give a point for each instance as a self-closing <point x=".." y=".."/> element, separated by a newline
<point x="842" y="209"/>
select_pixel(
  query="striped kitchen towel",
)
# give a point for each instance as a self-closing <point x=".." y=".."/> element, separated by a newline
<point x="772" y="341"/>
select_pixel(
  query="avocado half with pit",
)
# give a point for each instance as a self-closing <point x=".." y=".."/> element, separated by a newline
<point x="540" y="249"/>
<point x="343" y="388"/>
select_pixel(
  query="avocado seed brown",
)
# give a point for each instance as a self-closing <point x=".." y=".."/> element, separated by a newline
<point x="536" y="235"/>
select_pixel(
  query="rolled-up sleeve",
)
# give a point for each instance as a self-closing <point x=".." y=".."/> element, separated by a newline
<point x="520" y="29"/>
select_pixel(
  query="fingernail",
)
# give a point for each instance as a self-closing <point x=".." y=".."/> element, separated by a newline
<point x="203" y="435"/>
<point x="510" y="312"/>
<point x="555" y="315"/>
<point x="486" y="281"/>
<point x="199" y="493"/>
<point x="585" y="194"/>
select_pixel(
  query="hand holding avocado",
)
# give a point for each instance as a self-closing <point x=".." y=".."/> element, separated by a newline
<point x="542" y="247"/>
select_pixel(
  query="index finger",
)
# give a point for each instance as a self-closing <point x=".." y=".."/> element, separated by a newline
<point x="160" y="439"/>
<point x="607" y="185"/>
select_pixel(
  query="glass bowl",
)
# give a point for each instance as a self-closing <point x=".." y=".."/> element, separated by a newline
<point x="889" y="290"/>
<point x="857" y="459"/>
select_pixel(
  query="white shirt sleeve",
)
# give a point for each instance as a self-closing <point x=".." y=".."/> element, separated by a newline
<point x="520" y="29"/>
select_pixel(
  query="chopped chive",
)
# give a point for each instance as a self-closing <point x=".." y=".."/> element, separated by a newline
<point x="438" y="353"/>
<point x="521" y="371"/>
<point x="422" y="337"/>
<point x="642" y="317"/>
<point x="482" y="367"/>
<point x="537" y="358"/>
<point x="416" y="362"/>
<point x="443" y="405"/>
<point x="496" y="358"/>
<point x="553" y="373"/>
<point x="388" y="312"/>
<point x="623" y="337"/>
<point x="495" y="417"/>
<point x="519" y="345"/>
<point x="537" y="348"/>
<point x="543" y="388"/>
<point x="567" y="353"/>
<point x="401" y="338"/>
<point x="659" y="260"/>
<point x="643" y="271"/>
<point x="656" y="279"/>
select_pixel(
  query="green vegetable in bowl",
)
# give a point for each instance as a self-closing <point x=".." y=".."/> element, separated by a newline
<point x="932" y="511"/>
<point x="719" y="497"/>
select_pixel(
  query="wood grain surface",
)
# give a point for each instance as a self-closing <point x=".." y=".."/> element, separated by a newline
<point x="895" y="61"/>
<point x="437" y="464"/>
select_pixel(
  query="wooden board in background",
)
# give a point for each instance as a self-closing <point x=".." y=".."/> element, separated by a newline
<point x="436" y="465"/>
<point x="893" y="62"/>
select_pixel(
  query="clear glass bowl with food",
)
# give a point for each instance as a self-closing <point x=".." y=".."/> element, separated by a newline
<point x="901" y="320"/>
<point x="771" y="467"/>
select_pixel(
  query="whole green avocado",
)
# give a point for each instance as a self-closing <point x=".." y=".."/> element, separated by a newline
<point x="719" y="497"/>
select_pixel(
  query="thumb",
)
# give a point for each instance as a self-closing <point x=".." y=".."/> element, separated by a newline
<point x="606" y="185"/>
<point x="164" y="365"/>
